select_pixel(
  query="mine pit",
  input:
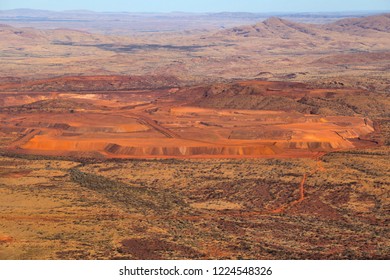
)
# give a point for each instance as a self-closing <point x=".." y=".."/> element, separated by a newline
<point x="175" y="125"/>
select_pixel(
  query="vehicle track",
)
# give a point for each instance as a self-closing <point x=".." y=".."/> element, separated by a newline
<point x="154" y="125"/>
<point x="319" y="167"/>
<point x="299" y="200"/>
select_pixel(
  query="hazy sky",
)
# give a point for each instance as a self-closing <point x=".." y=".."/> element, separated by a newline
<point x="201" y="5"/>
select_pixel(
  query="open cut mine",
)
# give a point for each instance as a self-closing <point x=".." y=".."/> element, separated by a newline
<point x="174" y="124"/>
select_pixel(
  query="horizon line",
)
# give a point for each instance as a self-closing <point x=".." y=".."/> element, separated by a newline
<point x="209" y="12"/>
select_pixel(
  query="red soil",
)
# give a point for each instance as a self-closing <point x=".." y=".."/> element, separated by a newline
<point x="159" y="124"/>
<point x="5" y="239"/>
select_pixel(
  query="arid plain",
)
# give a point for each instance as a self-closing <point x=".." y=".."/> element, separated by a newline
<point x="261" y="139"/>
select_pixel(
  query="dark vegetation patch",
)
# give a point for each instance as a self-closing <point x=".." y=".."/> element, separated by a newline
<point x="73" y="255"/>
<point x="92" y="84"/>
<point x="155" y="249"/>
<point x="137" y="47"/>
<point x="289" y="98"/>
<point x="139" y="199"/>
<point x="255" y="102"/>
<point x="52" y="106"/>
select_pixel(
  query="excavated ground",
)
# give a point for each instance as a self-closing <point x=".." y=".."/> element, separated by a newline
<point x="175" y="123"/>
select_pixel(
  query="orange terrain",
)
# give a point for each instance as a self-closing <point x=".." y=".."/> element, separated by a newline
<point x="170" y="123"/>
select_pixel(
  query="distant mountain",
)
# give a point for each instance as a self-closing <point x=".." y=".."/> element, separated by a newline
<point x="361" y="26"/>
<point x="276" y="27"/>
<point x="21" y="35"/>
<point x="26" y="35"/>
<point x="44" y="14"/>
<point x="122" y="23"/>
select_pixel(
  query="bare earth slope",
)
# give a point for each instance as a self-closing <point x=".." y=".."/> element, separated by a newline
<point x="246" y="119"/>
<point x="362" y="26"/>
